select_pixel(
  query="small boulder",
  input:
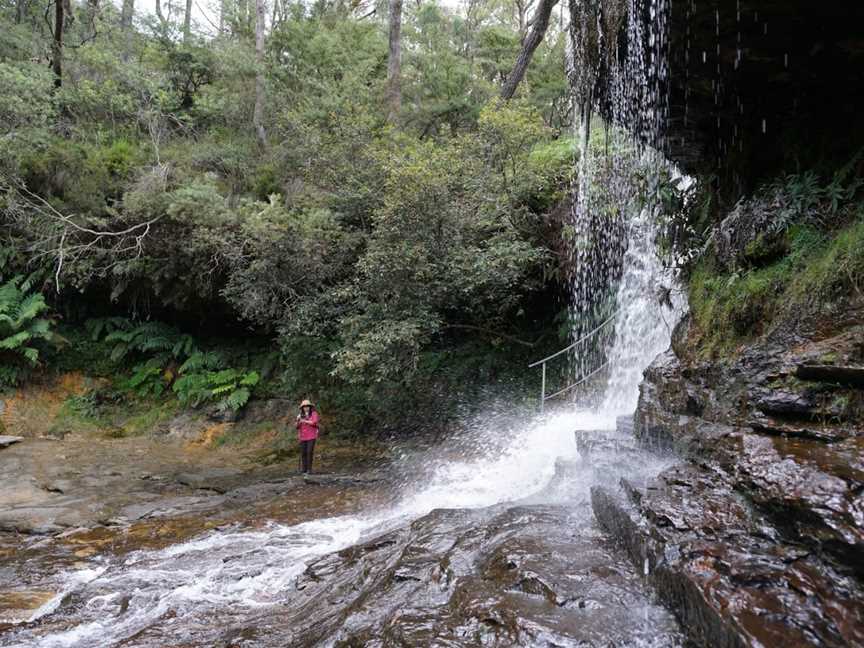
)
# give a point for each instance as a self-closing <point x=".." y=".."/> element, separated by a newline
<point x="6" y="440"/>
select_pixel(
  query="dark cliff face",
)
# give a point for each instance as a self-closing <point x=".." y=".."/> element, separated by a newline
<point x="763" y="86"/>
<point x="755" y="87"/>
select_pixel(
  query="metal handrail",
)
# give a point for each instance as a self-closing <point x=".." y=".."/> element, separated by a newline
<point x="578" y="382"/>
<point x="579" y="341"/>
<point x="594" y="331"/>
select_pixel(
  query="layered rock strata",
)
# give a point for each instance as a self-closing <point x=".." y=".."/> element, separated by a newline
<point x="756" y="537"/>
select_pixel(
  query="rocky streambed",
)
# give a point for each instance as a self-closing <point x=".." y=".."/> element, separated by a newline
<point x="728" y="512"/>
<point x="499" y="551"/>
<point x="72" y="505"/>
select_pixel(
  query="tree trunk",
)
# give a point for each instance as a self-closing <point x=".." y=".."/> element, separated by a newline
<point x="126" y="14"/>
<point x="394" y="63"/>
<point x="242" y="18"/>
<point x="57" y="45"/>
<point x="187" y="22"/>
<point x="276" y="18"/>
<point x="162" y="22"/>
<point x="20" y="6"/>
<point x="539" y="23"/>
<point x="258" y="112"/>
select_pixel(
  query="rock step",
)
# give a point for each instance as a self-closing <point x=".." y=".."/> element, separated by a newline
<point x="811" y="489"/>
<point x="819" y="431"/>
<point x="724" y="569"/>
<point x="816" y="403"/>
<point x="843" y="375"/>
<point x="6" y="440"/>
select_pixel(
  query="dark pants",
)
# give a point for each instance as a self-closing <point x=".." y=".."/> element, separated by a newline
<point x="306" y="450"/>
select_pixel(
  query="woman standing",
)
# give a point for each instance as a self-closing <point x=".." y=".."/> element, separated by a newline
<point x="307" y="432"/>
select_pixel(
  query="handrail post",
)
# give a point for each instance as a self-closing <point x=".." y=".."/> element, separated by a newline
<point x="543" y="389"/>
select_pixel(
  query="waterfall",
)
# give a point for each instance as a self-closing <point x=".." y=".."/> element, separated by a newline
<point x="618" y="282"/>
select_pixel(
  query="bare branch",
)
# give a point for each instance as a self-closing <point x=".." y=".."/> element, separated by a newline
<point x="58" y="236"/>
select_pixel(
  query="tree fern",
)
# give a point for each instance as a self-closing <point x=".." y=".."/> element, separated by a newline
<point x="22" y="330"/>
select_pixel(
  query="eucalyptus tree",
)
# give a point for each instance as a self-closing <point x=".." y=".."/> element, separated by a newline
<point x="394" y="62"/>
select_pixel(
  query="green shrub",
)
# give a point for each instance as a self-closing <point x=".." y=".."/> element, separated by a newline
<point x="818" y="269"/>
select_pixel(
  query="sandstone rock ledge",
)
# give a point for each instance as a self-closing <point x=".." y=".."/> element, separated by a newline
<point x="756" y="536"/>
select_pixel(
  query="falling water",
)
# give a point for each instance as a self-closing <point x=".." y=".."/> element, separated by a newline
<point x="237" y="571"/>
<point x="622" y="296"/>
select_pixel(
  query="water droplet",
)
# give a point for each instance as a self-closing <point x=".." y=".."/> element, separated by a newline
<point x="764" y="125"/>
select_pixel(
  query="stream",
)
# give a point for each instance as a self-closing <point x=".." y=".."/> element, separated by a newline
<point x="490" y="552"/>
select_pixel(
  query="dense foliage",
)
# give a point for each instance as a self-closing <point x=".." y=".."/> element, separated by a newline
<point x="391" y="263"/>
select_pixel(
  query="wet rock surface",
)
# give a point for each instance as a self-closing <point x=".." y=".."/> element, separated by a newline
<point x="756" y="536"/>
<point x="243" y="567"/>
<point x="524" y="575"/>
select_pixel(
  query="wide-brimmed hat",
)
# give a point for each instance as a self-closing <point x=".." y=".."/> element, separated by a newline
<point x="306" y="403"/>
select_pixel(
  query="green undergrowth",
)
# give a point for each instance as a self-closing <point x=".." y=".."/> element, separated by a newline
<point x="144" y="374"/>
<point x="109" y="413"/>
<point x="819" y="272"/>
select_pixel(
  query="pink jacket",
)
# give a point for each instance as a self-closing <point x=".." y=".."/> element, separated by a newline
<point x="307" y="429"/>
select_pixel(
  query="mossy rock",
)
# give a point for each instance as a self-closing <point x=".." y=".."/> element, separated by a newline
<point x="765" y="249"/>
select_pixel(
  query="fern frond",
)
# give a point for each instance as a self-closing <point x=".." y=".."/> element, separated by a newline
<point x="40" y="328"/>
<point x="10" y="295"/>
<point x="193" y="363"/>
<point x="250" y="379"/>
<point x="98" y="326"/>
<point x="14" y="342"/>
<point x="120" y="336"/>
<point x="119" y="351"/>
<point x="235" y="400"/>
<point x="185" y="346"/>
<point x="221" y="389"/>
<point x="225" y="376"/>
<point x="30" y="308"/>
